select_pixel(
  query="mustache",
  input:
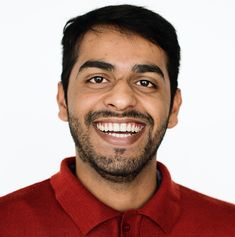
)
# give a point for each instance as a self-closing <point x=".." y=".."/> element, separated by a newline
<point x="91" y="116"/>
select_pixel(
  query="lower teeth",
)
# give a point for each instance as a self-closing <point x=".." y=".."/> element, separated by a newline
<point x="120" y="134"/>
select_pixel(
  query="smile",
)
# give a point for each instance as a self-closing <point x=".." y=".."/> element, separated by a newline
<point x="119" y="133"/>
<point x="119" y="129"/>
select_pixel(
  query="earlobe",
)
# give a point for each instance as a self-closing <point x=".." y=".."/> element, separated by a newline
<point x="63" y="113"/>
<point x="173" y="119"/>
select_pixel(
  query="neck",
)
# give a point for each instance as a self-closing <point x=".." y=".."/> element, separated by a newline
<point x="119" y="196"/>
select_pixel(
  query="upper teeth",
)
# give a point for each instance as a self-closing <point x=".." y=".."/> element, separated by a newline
<point x="119" y="127"/>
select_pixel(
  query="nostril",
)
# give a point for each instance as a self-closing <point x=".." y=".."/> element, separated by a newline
<point x="121" y="103"/>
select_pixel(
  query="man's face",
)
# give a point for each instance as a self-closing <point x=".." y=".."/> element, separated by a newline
<point x="118" y="102"/>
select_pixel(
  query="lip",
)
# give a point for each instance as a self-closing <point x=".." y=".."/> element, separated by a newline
<point x="119" y="141"/>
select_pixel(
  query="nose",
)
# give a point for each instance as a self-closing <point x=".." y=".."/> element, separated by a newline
<point x="121" y="97"/>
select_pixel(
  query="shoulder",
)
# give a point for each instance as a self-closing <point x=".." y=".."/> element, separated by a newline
<point x="33" y="211"/>
<point x="18" y="206"/>
<point x="198" y="200"/>
<point x="206" y="213"/>
<point x="25" y="194"/>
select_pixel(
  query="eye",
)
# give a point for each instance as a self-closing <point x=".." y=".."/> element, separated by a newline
<point x="145" y="83"/>
<point x="97" y="80"/>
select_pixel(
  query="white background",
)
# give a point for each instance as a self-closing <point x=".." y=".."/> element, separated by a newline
<point x="199" y="152"/>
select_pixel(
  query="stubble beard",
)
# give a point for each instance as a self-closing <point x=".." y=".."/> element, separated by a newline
<point x="117" y="168"/>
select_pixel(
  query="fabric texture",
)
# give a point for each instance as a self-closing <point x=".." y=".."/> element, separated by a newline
<point x="61" y="206"/>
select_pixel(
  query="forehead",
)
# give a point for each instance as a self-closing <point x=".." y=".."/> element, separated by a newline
<point x="105" y="42"/>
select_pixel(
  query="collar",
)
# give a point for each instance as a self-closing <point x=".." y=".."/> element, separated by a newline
<point x="162" y="208"/>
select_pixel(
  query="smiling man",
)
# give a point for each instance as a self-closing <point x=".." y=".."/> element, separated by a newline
<point x="119" y="95"/>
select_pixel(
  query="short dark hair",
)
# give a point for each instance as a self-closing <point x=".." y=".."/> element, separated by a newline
<point x="129" y="18"/>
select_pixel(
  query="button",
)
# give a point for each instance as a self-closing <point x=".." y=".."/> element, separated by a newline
<point x="126" y="227"/>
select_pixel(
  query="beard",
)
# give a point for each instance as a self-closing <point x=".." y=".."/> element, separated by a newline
<point x="118" y="167"/>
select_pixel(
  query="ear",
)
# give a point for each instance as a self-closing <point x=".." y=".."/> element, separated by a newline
<point x="173" y="119"/>
<point x="63" y="113"/>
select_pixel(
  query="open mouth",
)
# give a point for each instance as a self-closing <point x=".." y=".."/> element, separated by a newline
<point x="119" y="130"/>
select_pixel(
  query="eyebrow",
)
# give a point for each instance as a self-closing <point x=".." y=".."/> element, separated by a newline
<point x="137" y="68"/>
<point x="97" y="64"/>
<point x="143" y="68"/>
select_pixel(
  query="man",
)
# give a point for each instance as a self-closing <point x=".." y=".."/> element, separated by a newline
<point x="119" y="94"/>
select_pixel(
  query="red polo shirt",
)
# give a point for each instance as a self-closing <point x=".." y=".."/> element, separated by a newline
<point x="61" y="206"/>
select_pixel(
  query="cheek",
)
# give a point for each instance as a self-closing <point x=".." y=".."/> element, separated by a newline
<point x="157" y="106"/>
<point x="80" y="103"/>
<point x="157" y="110"/>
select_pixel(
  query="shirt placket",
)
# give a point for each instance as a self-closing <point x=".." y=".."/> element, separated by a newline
<point x="130" y="224"/>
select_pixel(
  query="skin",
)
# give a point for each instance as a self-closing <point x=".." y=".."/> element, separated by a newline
<point x="120" y="90"/>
